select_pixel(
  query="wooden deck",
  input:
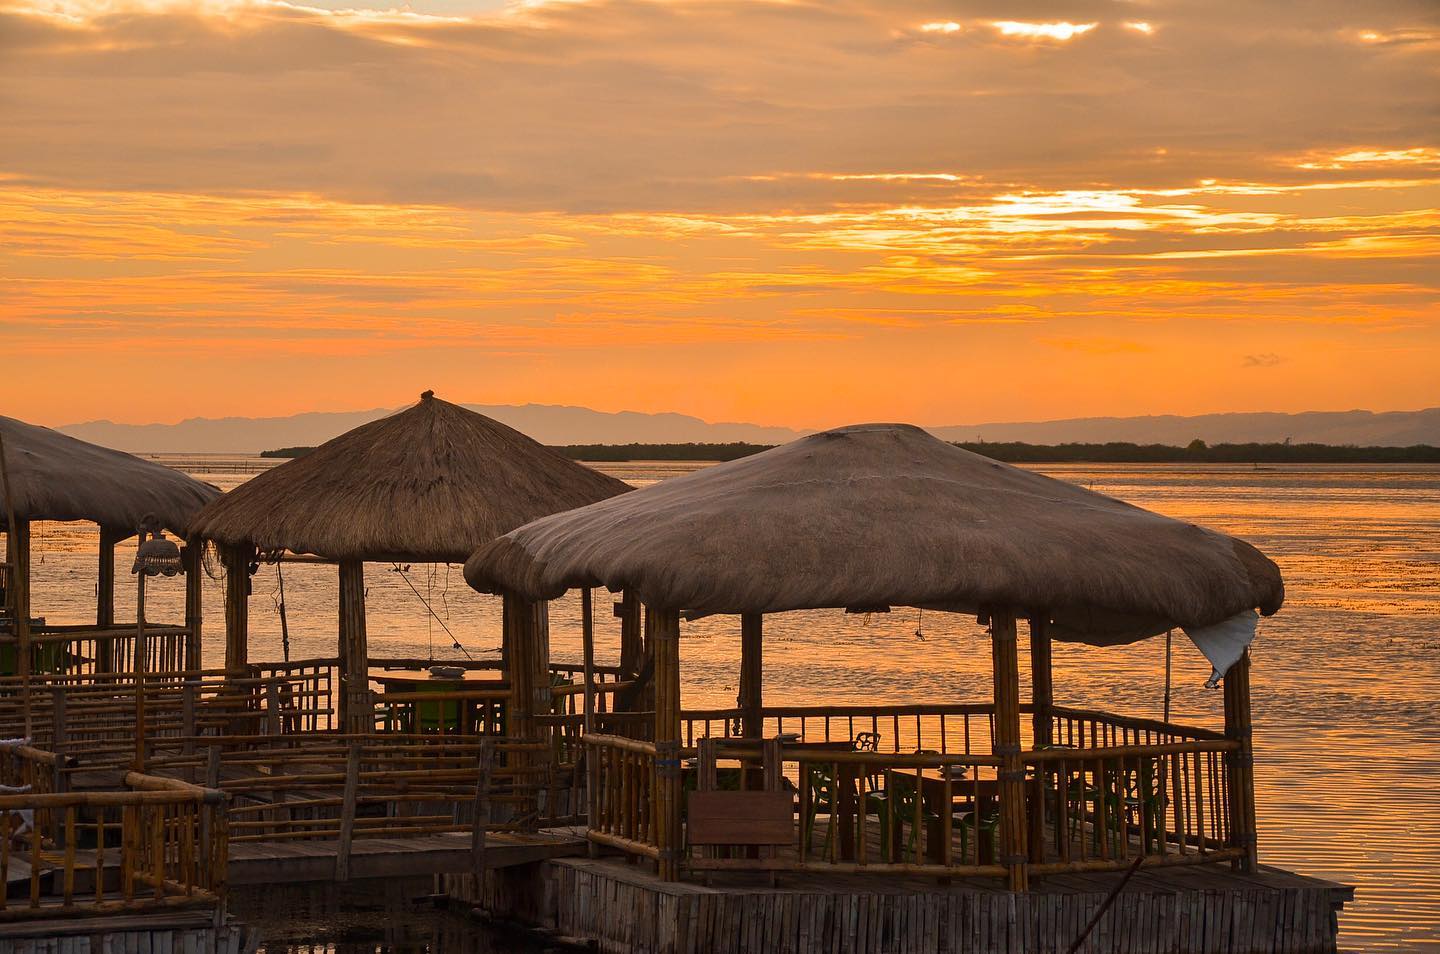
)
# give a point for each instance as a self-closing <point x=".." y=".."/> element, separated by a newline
<point x="272" y="862"/>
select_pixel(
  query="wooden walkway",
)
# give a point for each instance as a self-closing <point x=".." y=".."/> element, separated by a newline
<point x="273" y="862"/>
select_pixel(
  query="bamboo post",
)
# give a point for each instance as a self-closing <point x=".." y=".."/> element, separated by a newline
<point x="141" y="665"/>
<point x="520" y="637"/>
<point x="190" y="554"/>
<point x="187" y="717"/>
<point x="17" y="554"/>
<point x="1042" y="697"/>
<point x="1238" y="726"/>
<point x="482" y="812"/>
<point x="105" y="598"/>
<point x="347" y="813"/>
<point x="355" y="713"/>
<point x="1013" y="826"/>
<point x="665" y="634"/>
<point x="1042" y="682"/>
<point x="529" y="685"/>
<point x="751" y="697"/>
<point x="628" y="609"/>
<point x="587" y="632"/>
<point x="237" y="607"/>
<point x="58" y="733"/>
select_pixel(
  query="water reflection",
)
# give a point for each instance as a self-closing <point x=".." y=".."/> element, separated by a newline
<point x="372" y="917"/>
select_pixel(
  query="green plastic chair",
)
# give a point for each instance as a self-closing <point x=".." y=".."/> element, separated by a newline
<point x="988" y="825"/>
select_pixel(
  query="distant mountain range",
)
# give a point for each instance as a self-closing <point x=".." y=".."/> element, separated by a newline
<point x="558" y="424"/>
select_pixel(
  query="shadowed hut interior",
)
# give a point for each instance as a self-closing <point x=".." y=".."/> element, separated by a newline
<point x="46" y="475"/>
<point x="424" y="485"/>
<point x="870" y="517"/>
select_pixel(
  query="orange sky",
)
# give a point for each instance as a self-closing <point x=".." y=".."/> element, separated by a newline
<point x="801" y="213"/>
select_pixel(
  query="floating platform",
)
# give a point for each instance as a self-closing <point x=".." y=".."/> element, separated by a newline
<point x="622" y="907"/>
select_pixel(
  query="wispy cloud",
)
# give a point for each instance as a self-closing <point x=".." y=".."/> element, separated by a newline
<point x="722" y="204"/>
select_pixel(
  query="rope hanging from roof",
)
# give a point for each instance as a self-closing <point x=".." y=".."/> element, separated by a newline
<point x="210" y="560"/>
<point x="454" y="641"/>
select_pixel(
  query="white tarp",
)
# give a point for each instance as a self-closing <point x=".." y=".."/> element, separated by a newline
<point x="1223" y="643"/>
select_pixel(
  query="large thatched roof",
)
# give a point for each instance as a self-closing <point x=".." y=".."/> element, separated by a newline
<point x="429" y="483"/>
<point x="885" y="514"/>
<point x="57" y="477"/>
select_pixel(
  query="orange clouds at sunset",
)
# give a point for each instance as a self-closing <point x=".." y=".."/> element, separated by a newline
<point x="800" y="213"/>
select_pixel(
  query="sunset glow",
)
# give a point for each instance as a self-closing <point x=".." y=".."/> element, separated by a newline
<point x="790" y="213"/>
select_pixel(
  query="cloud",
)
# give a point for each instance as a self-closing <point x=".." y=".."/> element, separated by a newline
<point x="818" y="189"/>
<point x="612" y="105"/>
<point x="1266" y="360"/>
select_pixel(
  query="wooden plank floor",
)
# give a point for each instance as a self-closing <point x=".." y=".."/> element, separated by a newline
<point x="268" y="862"/>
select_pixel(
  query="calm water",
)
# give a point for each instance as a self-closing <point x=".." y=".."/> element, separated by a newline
<point x="1345" y="679"/>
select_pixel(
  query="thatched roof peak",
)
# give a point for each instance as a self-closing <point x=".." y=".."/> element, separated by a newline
<point x="888" y="515"/>
<point x="58" y="477"/>
<point x="428" y="483"/>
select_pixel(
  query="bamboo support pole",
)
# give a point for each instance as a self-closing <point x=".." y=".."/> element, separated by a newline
<point x="355" y="713"/>
<point x="628" y="609"/>
<point x="665" y="636"/>
<point x="1013" y="826"/>
<point x="1241" y="784"/>
<point x="1042" y="683"/>
<point x="105" y="597"/>
<point x="17" y="554"/>
<point x="190" y="554"/>
<point x="237" y="607"/>
<point x="347" y="813"/>
<point x="141" y="663"/>
<point x="587" y="632"/>
<point x="481" y="821"/>
<point x="751" y="696"/>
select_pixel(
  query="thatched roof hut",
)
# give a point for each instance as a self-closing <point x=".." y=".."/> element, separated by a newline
<point x="56" y="477"/>
<point x="877" y="515"/>
<point x="427" y="484"/>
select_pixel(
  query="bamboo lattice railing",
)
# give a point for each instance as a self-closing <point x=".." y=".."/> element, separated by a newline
<point x="160" y="845"/>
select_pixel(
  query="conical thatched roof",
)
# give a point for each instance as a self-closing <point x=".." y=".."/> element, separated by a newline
<point x="57" y="477"/>
<point x="885" y="514"/>
<point x="427" y="484"/>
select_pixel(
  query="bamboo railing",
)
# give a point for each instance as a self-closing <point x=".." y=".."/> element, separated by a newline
<point x="354" y="786"/>
<point x="621" y="789"/>
<point x="160" y="845"/>
<point x="923" y="797"/>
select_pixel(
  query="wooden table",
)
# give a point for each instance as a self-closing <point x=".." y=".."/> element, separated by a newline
<point x="443" y="715"/>
<point x="980" y="796"/>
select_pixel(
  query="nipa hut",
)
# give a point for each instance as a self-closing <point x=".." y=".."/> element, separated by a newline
<point x="874" y="516"/>
<point x="427" y="484"/>
<point x="47" y="475"/>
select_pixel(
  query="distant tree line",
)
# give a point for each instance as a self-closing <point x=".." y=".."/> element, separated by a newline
<point x="1015" y="452"/>
<point x="1197" y="451"/>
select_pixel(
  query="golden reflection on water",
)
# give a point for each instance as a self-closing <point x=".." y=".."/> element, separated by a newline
<point x="1347" y="717"/>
